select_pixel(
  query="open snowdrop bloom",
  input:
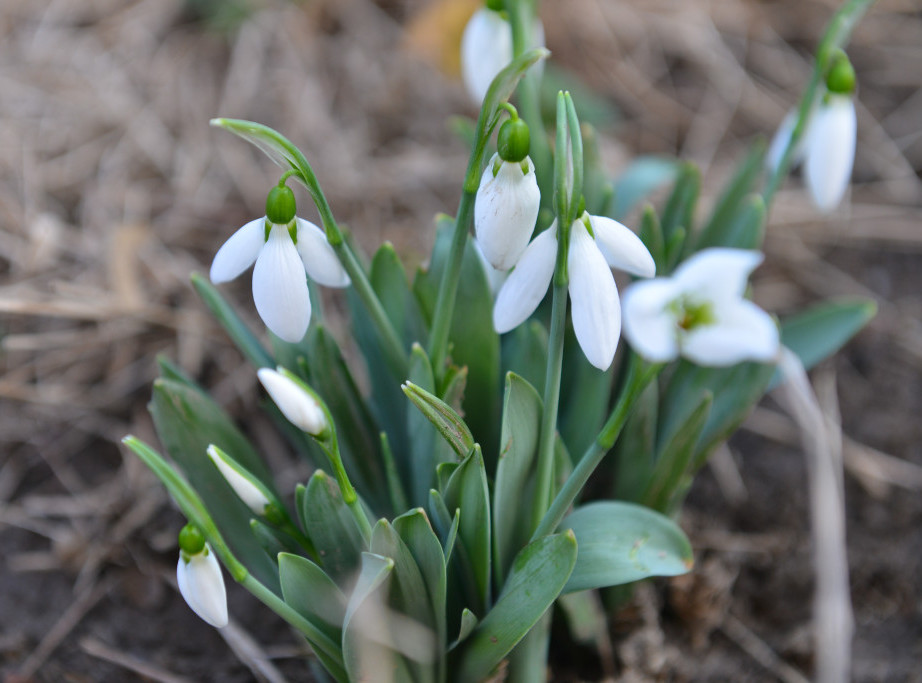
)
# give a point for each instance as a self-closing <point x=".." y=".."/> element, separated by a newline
<point x="700" y="313"/>
<point x="283" y="247"/>
<point x="596" y="309"/>
<point x="198" y="574"/>
<point x="295" y="402"/>
<point x="508" y="199"/>
<point x="486" y="47"/>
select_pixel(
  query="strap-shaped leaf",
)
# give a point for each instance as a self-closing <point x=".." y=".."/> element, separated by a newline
<point x="313" y="594"/>
<point x="622" y="542"/>
<point x="519" y="443"/>
<point x="538" y="575"/>
<point x="331" y="527"/>
<point x="525" y="353"/>
<point x="443" y="417"/>
<point x="719" y="229"/>
<point x="679" y="212"/>
<point x="640" y="179"/>
<point x="467" y="491"/>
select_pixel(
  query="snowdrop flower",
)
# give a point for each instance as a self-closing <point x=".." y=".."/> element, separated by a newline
<point x="283" y="247"/>
<point x="508" y="200"/>
<point x="596" y="309"/>
<point x="830" y="142"/>
<point x="700" y="313"/>
<point x="297" y="404"/>
<point x="830" y="151"/>
<point x="486" y="47"/>
<point x="199" y="577"/>
<point x="780" y="143"/>
<point x="243" y="483"/>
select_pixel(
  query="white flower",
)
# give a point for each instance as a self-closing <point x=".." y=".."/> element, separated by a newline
<point x="700" y="313"/>
<point x="486" y="47"/>
<point x="279" y="284"/>
<point x="780" y="143"/>
<point x="296" y="404"/>
<point x="596" y="309"/>
<point x="505" y="211"/>
<point x="202" y="585"/>
<point x="829" y="150"/>
<point x="254" y="497"/>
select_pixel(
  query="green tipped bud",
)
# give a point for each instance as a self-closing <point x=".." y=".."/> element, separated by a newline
<point x="449" y="424"/>
<point x="840" y="79"/>
<point x="280" y="205"/>
<point x="513" y="140"/>
<point x="191" y="540"/>
<point x="495" y="5"/>
<point x="249" y="489"/>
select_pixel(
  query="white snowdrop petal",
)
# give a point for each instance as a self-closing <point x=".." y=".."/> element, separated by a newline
<point x="717" y="273"/>
<point x="743" y="331"/>
<point x="252" y="497"/>
<point x="495" y="278"/>
<point x="298" y="406"/>
<point x="202" y="586"/>
<point x="280" y="287"/>
<point x="505" y="212"/>
<point x="486" y="47"/>
<point x="239" y="252"/>
<point x="526" y="286"/>
<point x="594" y="300"/>
<point x="320" y="259"/>
<point x="650" y="327"/>
<point x="622" y="248"/>
<point x="830" y="151"/>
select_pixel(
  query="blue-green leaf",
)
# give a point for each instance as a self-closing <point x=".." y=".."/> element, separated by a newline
<point x="313" y="594"/>
<point x="538" y="575"/>
<point x="643" y="176"/>
<point x="331" y="527"/>
<point x="622" y="542"/>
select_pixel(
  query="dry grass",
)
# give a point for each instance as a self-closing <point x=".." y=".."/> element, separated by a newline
<point x="113" y="189"/>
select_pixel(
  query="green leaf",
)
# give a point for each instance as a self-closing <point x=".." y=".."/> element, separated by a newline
<point x="312" y="594"/>
<point x="449" y="424"/>
<point x="407" y="594"/>
<point x="525" y="353"/>
<point x="467" y="491"/>
<point x="331" y="527"/>
<point x="416" y="532"/>
<point x="426" y="450"/>
<point x="187" y="421"/>
<point x="675" y="460"/>
<point x="679" y="213"/>
<point x="622" y="542"/>
<point x="511" y="513"/>
<point x="356" y="430"/>
<point x="820" y="331"/>
<point x="584" y="397"/>
<point x="243" y="338"/>
<point x="651" y="234"/>
<point x="273" y="540"/>
<point x="469" y="622"/>
<point x="538" y="574"/>
<point x="636" y="447"/>
<point x="642" y="177"/>
<point x="719" y="229"/>
<point x="365" y="627"/>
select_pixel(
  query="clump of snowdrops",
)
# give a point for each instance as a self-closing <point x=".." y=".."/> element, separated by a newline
<point x="447" y="512"/>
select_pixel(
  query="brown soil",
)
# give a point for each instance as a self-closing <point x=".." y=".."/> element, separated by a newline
<point x="113" y="188"/>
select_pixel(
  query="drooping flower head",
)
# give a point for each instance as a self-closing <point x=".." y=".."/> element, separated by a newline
<point x="830" y="142"/>
<point x="199" y="577"/>
<point x="597" y="244"/>
<point x="296" y="403"/>
<point x="486" y="47"/>
<point x="283" y="247"/>
<point x="700" y="313"/>
<point x="508" y="199"/>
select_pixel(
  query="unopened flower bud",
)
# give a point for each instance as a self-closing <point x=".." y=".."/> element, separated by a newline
<point x="199" y="577"/>
<point x="245" y="485"/>
<point x="297" y="404"/>
<point x="829" y="151"/>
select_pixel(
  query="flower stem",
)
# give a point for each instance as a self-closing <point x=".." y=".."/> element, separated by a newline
<point x="836" y="37"/>
<point x="350" y="497"/>
<point x="639" y="376"/>
<point x="317" y="638"/>
<point x="521" y="18"/>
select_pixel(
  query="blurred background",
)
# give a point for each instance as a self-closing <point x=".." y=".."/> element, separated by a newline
<point x="113" y="188"/>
